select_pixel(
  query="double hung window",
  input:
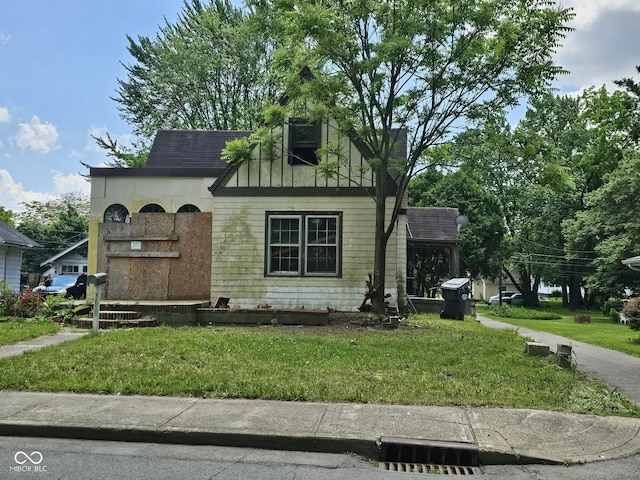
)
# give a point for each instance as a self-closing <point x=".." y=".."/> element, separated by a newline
<point x="303" y="244"/>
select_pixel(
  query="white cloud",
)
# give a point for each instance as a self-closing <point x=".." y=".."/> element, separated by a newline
<point x="4" y="115"/>
<point x="13" y="193"/>
<point x="4" y="38"/>
<point x="36" y="135"/>
<point x="587" y="11"/>
<point x="602" y="48"/>
<point x="71" y="183"/>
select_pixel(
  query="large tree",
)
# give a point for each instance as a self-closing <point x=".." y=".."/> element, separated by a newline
<point x="424" y="66"/>
<point x="482" y="247"/>
<point x="208" y="70"/>
<point x="609" y="227"/>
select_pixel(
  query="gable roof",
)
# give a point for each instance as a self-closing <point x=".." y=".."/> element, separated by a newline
<point x="191" y="148"/>
<point x="64" y="252"/>
<point x="181" y="153"/>
<point x="432" y="225"/>
<point x="11" y="236"/>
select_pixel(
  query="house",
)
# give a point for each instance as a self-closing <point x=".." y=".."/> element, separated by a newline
<point x="12" y="243"/>
<point x="270" y="231"/>
<point x="70" y="260"/>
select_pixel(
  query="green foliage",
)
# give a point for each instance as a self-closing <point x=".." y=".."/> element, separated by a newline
<point x="631" y="311"/>
<point x="608" y="225"/>
<point x="6" y="216"/>
<point x="59" y="308"/>
<point x="508" y="311"/>
<point x="482" y="249"/>
<point x="54" y="224"/>
<point x="422" y="67"/>
<point x="24" y="304"/>
<point x="236" y="152"/>
<point x="210" y="69"/>
<point x="614" y="315"/>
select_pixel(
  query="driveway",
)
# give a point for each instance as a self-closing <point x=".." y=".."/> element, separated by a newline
<point x="616" y="369"/>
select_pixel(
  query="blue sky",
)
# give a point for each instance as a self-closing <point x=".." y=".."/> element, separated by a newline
<point x="60" y="60"/>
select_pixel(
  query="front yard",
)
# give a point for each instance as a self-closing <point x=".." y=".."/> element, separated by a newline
<point x="429" y="361"/>
<point x="601" y="331"/>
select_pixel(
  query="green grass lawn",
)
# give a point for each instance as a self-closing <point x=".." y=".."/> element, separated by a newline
<point x="18" y="330"/>
<point x="601" y="331"/>
<point x="432" y="361"/>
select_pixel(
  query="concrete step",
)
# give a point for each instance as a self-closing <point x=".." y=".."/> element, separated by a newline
<point x="86" y="322"/>
<point x="119" y="315"/>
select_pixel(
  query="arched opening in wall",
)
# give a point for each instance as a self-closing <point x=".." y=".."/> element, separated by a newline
<point x="188" y="208"/>
<point x="116" y="213"/>
<point x="152" y="208"/>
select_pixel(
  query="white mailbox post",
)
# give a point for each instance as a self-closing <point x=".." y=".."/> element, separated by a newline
<point x="97" y="280"/>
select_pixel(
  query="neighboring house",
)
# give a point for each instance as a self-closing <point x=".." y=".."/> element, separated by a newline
<point x="270" y="231"/>
<point x="12" y="243"/>
<point x="70" y="260"/>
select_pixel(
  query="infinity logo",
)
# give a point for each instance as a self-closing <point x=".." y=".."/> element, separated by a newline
<point x="35" y="458"/>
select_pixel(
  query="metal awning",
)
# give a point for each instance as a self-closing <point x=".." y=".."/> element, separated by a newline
<point x="633" y="263"/>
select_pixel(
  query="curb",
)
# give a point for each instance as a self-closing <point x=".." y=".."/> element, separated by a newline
<point x="364" y="447"/>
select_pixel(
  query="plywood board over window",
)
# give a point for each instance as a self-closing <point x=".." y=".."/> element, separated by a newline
<point x="171" y="259"/>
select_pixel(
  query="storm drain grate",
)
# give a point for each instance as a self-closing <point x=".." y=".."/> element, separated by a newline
<point x="427" y="456"/>
<point x="429" y="469"/>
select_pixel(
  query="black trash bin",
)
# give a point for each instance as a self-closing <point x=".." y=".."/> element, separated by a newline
<point x="455" y="293"/>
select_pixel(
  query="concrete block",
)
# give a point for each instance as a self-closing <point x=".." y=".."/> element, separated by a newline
<point x="564" y="356"/>
<point x="534" y="348"/>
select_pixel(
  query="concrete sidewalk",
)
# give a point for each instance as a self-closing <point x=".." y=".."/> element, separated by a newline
<point x="501" y="435"/>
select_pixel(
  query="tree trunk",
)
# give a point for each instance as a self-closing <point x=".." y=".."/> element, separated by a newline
<point x="380" y="253"/>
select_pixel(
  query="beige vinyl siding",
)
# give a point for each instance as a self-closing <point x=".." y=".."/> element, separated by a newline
<point x="239" y="247"/>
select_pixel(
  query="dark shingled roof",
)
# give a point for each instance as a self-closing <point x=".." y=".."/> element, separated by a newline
<point x="10" y="236"/>
<point x="191" y="148"/>
<point x="432" y="224"/>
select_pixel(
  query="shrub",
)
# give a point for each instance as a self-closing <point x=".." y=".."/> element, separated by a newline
<point x="508" y="311"/>
<point x="614" y="315"/>
<point x="556" y="294"/>
<point x="25" y="304"/>
<point x="632" y="312"/>
<point x="582" y="319"/>
<point x="616" y="304"/>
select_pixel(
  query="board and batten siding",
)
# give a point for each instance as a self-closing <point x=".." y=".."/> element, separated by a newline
<point x="276" y="173"/>
<point x="10" y="264"/>
<point x="239" y="249"/>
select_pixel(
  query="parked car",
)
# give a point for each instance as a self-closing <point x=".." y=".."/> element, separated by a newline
<point x="506" y="298"/>
<point x="72" y="285"/>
